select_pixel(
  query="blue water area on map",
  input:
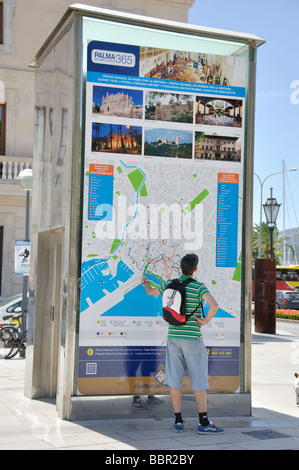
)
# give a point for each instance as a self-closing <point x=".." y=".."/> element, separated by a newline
<point x="153" y="278"/>
<point x="95" y="279"/>
<point x="220" y="313"/>
<point x="137" y="303"/>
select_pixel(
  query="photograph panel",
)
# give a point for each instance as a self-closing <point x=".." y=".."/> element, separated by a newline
<point x="173" y="143"/>
<point x="116" y="138"/>
<point x="217" y="147"/>
<point x="172" y="107"/>
<point x="120" y="102"/>
<point x="193" y="67"/>
<point x="214" y="111"/>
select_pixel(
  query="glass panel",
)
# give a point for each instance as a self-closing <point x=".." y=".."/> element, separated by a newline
<point x="164" y="143"/>
<point x="292" y="295"/>
<point x="96" y="29"/>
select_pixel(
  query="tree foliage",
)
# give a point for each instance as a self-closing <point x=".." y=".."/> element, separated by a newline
<point x="278" y="242"/>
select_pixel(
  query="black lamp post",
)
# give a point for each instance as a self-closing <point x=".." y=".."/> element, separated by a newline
<point x="265" y="277"/>
<point x="271" y="208"/>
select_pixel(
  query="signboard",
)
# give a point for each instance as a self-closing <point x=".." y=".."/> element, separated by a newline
<point x="22" y="257"/>
<point x="164" y="151"/>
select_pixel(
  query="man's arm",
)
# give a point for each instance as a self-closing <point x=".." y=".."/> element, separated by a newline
<point x="207" y="297"/>
<point x="149" y="289"/>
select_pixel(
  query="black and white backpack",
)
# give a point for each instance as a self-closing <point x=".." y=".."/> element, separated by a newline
<point x="174" y="302"/>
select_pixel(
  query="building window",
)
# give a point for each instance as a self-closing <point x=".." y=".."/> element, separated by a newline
<point x="7" y="12"/>
<point x="63" y="137"/>
<point x="39" y="132"/>
<point x="1" y="23"/>
<point x="2" y="129"/>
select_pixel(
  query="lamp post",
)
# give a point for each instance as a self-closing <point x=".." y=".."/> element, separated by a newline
<point x="271" y="208"/>
<point x="25" y="181"/>
<point x="261" y="204"/>
<point x="265" y="277"/>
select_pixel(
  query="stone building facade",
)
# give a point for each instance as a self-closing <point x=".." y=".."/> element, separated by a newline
<point x="24" y="26"/>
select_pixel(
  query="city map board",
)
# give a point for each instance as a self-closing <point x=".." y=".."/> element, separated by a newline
<point x="143" y="211"/>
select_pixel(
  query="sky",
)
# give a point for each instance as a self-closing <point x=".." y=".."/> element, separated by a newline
<point x="152" y="135"/>
<point x="277" y="92"/>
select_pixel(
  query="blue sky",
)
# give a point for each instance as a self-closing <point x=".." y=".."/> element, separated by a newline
<point x="152" y="135"/>
<point x="277" y="110"/>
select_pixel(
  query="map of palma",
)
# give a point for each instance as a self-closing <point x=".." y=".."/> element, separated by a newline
<point x="147" y="202"/>
<point x="98" y="283"/>
<point x="111" y="286"/>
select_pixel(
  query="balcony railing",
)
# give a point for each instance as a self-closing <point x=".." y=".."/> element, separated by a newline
<point x="10" y="167"/>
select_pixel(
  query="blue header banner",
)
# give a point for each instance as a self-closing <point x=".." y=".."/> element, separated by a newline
<point x="169" y="85"/>
<point x="119" y="64"/>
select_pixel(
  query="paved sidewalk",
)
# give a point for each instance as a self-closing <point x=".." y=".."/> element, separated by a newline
<point x="33" y="424"/>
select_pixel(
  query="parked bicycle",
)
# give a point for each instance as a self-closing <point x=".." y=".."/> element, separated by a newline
<point x="12" y="339"/>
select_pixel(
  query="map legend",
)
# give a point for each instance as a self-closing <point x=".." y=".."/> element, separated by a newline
<point x="227" y="220"/>
<point x="100" y="193"/>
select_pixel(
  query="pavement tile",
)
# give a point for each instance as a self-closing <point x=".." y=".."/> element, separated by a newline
<point x="34" y="424"/>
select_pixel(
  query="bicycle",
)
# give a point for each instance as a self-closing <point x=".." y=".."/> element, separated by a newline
<point x="12" y="340"/>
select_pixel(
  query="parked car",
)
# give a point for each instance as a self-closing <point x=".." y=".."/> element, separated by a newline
<point x="9" y="306"/>
<point x="287" y="299"/>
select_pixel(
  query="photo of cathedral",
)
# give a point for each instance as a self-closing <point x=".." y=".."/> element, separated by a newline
<point x="114" y="138"/>
<point x="119" y="102"/>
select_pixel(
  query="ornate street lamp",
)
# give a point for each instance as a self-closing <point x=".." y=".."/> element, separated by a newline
<point x="271" y="208"/>
<point x="261" y="204"/>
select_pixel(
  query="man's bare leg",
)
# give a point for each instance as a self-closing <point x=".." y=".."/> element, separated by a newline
<point x="201" y="400"/>
<point x="176" y="399"/>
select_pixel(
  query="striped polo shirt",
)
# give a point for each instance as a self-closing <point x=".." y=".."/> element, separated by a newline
<point x="194" y="292"/>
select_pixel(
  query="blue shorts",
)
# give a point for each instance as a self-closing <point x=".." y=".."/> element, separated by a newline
<point x="186" y="355"/>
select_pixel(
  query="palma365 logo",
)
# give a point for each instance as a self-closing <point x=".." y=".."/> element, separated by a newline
<point x="105" y="57"/>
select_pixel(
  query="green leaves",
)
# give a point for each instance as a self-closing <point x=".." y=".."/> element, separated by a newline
<point x="278" y="242"/>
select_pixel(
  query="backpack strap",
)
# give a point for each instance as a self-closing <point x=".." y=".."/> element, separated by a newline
<point x="185" y="283"/>
<point x="200" y="304"/>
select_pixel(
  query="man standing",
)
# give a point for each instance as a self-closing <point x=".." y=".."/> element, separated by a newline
<point x="186" y="349"/>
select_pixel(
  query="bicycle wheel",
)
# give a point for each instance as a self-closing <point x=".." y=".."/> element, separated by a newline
<point x="10" y="342"/>
<point x="16" y="344"/>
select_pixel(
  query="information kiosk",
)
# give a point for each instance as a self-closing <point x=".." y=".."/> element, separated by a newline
<point x="143" y="152"/>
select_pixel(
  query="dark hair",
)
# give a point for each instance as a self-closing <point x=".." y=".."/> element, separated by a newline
<point x="189" y="264"/>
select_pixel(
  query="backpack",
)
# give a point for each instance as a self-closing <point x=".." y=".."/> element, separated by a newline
<point x="174" y="302"/>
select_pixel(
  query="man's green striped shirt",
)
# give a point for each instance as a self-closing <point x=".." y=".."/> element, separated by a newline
<point x="194" y="292"/>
